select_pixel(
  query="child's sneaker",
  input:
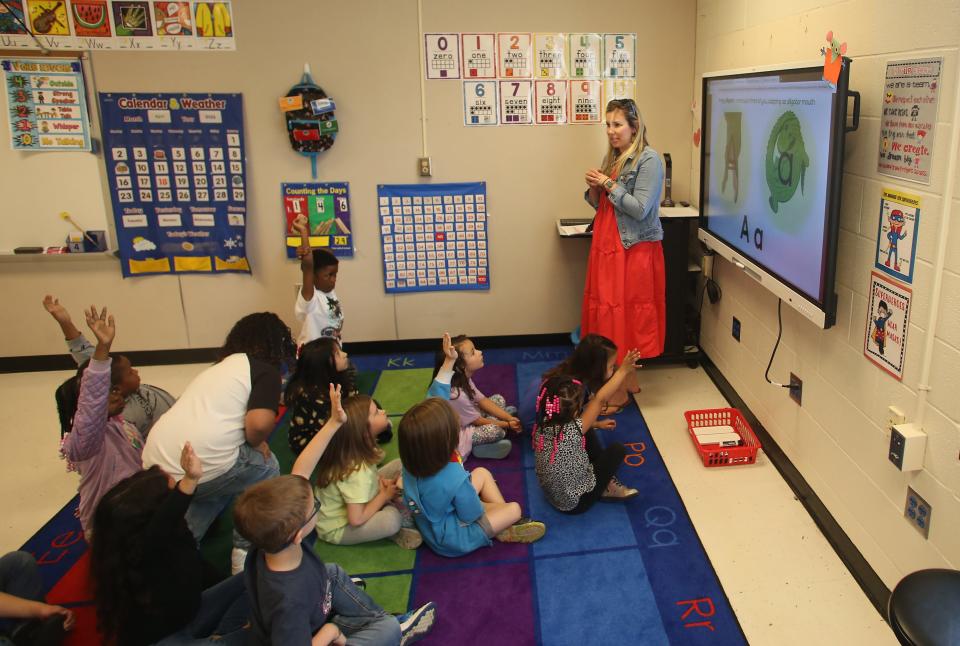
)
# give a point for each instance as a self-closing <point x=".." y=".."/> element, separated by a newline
<point x="524" y="530"/>
<point x="360" y="583"/>
<point x="237" y="558"/>
<point x="493" y="450"/>
<point x="416" y="623"/>
<point x="407" y="538"/>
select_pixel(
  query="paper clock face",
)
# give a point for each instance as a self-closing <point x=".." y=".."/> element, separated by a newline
<point x="434" y="237"/>
<point x="479" y="56"/>
<point x="480" y="104"/>
<point x="551" y="102"/>
<point x="515" y="55"/>
<point x="550" y="51"/>
<point x="585" y="105"/>
<point x="442" y="53"/>
<point x="516" y="98"/>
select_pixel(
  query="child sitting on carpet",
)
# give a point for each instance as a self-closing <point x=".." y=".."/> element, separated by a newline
<point x="593" y="362"/>
<point x="358" y="501"/>
<point x="143" y="403"/>
<point x="483" y="420"/>
<point x="100" y="444"/>
<point x="574" y="471"/>
<point x="455" y="511"/>
<point x="295" y="597"/>
<point x="321" y="362"/>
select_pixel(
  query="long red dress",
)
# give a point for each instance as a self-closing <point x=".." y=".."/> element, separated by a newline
<point x="625" y="296"/>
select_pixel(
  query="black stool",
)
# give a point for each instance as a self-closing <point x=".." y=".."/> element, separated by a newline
<point x="924" y="608"/>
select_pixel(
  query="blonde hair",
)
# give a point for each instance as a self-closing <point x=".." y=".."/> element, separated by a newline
<point x="612" y="162"/>
<point x="352" y="446"/>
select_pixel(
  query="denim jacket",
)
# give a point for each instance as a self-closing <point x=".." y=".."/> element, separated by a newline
<point x="636" y="198"/>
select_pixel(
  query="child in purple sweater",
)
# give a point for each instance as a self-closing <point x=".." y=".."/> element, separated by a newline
<point x="101" y="445"/>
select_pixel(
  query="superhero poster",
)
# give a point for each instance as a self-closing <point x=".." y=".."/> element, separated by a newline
<point x="888" y="317"/>
<point x="897" y="234"/>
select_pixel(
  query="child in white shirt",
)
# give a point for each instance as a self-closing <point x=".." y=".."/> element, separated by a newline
<point x="317" y="304"/>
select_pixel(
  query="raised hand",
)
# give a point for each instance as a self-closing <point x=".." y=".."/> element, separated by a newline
<point x="336" y="405"/>
<point x="448" y="348"/>
<point x="190" y="463"/>
<point x="629" y="363"/>
<point x="57" y="311"/>
<point x="102" y="325"/>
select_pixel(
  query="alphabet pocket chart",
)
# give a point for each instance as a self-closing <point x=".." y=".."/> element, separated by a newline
<point x="434" y="236"/>
<point x="175" y="165"/>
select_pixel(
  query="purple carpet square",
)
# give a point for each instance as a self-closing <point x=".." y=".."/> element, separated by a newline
<point x="511" y="486"/>
<point x="467" y="612"/>
<point x="498" y="379"/>
<point x="512" y="462"/>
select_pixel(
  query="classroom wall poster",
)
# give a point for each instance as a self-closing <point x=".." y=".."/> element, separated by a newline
<point x="619" y="55"/>
<point x="551" y="102"/>
<point x="897" y="234"/>
<point x="175" y="166"/>
<point x="480" y="104"/>
<point x="442" y="53"/>
<point x="586" y="53"/>
<point x="434" y="236"/>
<point x="59" y="25"/>
<point x="326" y="209"/>
<point x="619" y="89"/>
<point x="46" y="104"/>
<point x="515" y="55"/>
<point x="910" y="100"/>
<point x="888" y="315"/>
<point x="479" y="55"/>
<point x="516" y="105"/>
<point x="585" y="106"/>
<point x="550" y="52"/>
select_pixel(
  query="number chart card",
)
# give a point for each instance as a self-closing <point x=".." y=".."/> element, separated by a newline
<point x="47" y="104"/>
<point x="515" y="102"/>
<point x="515" y="55"/>
<point x="479" y="56"/>
<point x="442" y="52"/>
<point x="551" y="56"/>
<point x="434" y="236"/>
<point x="480" y="103"/>
<point x="619" y="55"/>
<point x="619" y="89"/>
<point x="586" y="54"/>
<point x="585" y="105"/>
<point x="551" y="102"/>
<point x="325" y="208"/>
<point x="175" y="165"/>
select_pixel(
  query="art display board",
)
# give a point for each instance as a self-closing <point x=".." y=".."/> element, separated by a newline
<point x="888" y="315"/>
<point x="434" y="236"/>
<point x="908" y="122"/>
<point x="897" y="234"/>
<point x="325" y="207"/>
<point x="176" y="170"/>
<point x="64" y="25"/>
<point x="46" y="104"/>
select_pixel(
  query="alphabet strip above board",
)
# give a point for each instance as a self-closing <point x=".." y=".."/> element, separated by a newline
<point x="116" y="24"/>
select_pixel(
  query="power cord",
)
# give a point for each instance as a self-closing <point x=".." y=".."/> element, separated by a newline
<point x="766" y="375"/>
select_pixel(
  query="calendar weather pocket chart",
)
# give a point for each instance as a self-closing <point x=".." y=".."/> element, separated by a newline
<point x="326" y="209"/>
<point x="175" y="165"/>
<point x="434" y="237"/>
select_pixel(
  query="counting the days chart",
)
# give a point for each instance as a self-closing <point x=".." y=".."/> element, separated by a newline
<point x="434" y="236"/>
<point x="175" y="165"/>
<point x="534" y="78"/>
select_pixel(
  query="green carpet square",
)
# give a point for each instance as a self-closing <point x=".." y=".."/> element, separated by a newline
<point x="391" y="592"/>
<point x="367" y="558"/>
<point x="398" y="390"/>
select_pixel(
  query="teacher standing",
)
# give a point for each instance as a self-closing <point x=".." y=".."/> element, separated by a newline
<point x="624" y="296"/>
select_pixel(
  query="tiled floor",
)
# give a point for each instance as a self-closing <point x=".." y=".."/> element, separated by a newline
<point x="782" y="577"/>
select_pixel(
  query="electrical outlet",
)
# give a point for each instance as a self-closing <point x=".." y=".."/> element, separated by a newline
<point x="425" y="169"/>
<point x="895" y="416"/>
<point x="796" y="388"/>
<point x="918" y="512"/>
<point x="736" y="329"/>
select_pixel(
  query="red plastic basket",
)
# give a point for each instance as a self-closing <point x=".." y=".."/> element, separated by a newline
<point x="714" y="456"/>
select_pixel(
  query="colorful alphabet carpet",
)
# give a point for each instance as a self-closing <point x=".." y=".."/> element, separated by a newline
<point x="623" y="573"/>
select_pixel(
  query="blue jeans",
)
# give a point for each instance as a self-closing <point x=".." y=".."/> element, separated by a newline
<point x="357" y="615"/>
<point x="19" y="577"/>
<point x="211" y="498"/>
<point x="223" y="612"/>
